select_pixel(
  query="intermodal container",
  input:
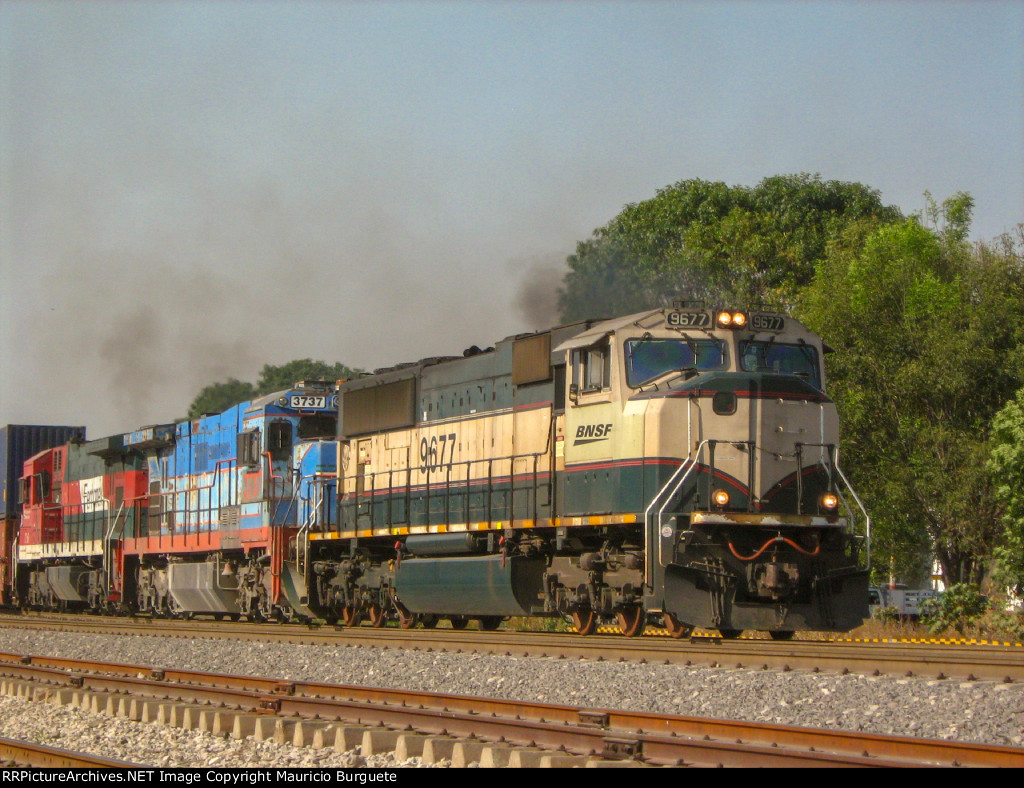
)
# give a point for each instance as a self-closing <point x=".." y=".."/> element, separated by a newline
<point x="18" y="442"/>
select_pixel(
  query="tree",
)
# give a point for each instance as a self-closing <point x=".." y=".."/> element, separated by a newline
<point x="1006" y="464"/>
<point x="709" y="241"/>
<point x="920" y="325"/>
<point x="217" y="397"/>
<point x="285" y="376"/>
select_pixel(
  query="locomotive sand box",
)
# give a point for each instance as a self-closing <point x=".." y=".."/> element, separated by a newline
<point x="676" y="466"/>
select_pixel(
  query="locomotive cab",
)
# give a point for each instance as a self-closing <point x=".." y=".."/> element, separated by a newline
<point x="715" y="425"/>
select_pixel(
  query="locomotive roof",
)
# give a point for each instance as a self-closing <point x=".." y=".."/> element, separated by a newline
<point x="602" y="328"/>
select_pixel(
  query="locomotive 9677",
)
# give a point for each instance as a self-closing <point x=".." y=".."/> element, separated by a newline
<point x="676" y="466"/>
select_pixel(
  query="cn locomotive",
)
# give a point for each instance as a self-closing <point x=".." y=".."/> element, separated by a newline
<point x="678" y="466"/>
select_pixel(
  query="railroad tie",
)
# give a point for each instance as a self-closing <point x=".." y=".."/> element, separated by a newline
<point x="595" y="763"/>
<point x="410" y="745"/>
<point x="379" y="740"/>
<point x="525" y="758"/>
<point x="304" y="734"/>
<point x="244" y="725"/>
<point x="438" y="748"/>
<point x="561" y="761"/>
<point x="348" y="738"/>
<point x="466" y="752"/>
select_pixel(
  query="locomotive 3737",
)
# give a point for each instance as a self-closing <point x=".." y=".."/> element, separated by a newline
<point x="676" y="465"/>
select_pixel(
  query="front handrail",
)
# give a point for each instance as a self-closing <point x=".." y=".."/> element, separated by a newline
<point x="665" y="496"/>
<point x="860" y="505"/>
<point x="833" y="468"/>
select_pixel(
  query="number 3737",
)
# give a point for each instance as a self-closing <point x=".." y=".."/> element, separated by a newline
<point x="437" y="451"/>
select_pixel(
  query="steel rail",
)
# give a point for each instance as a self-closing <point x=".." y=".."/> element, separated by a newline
<point x="989" y="662"/>
<point x="38" y="756"/>
<point x="656" y="738"/>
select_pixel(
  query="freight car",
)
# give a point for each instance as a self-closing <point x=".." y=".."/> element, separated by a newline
<point x="677" y="465"/>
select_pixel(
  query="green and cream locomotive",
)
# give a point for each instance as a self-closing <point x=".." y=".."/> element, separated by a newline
<point x="676" y="466"/>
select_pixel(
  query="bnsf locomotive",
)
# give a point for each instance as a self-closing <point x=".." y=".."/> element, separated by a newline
<point x="676" y="466"/>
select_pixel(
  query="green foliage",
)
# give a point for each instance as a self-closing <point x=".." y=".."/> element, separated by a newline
<point x="888" y="614"/>
<point x="958" y="608"/>
<point x="285" y="376"/>
<point x="1006" y="463"/>
<point x="924" y="359"/>
<point x="1005" y="624"/>
<point x="926" y="328"/>
<point x="218" y="397"/>
<point x="722" y="244"/>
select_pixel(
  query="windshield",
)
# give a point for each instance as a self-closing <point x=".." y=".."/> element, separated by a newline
<point x="799" y="360"/>
<point x="647" y="359"/>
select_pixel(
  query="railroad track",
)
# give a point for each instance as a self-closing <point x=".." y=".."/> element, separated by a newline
<point x="961" y="662"/>
<point x="19" y="754"/>
<point x="244" y="704"/>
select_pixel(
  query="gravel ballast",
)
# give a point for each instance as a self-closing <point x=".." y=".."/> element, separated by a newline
<point x="982" y="712"/>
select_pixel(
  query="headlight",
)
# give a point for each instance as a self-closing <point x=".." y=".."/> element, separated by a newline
<point x="829" y="501"/>
<point x="720" y="497"/>
<point x="731" y="319"/>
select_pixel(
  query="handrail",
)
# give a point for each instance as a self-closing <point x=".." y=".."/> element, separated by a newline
<point x="108" y="552"/>
<point x="447" y="486"/>
<point x="849" y="487"/>
<point x="860" y="504"/>
<point x="301" y="541"/>
<point x="666" y="494"/>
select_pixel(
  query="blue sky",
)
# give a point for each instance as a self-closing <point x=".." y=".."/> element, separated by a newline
<point x="190" y="190"/>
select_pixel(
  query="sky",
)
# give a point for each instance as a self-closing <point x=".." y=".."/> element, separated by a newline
<point x="191" y="190"/>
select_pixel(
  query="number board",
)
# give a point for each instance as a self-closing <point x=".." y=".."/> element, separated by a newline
<point x="307" y="401"/>
<point x="689" y="319"/>
<point x="759" y="322"/>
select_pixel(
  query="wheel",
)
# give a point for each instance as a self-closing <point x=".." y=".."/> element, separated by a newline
<point x="459" y="622"/>
<point x="585" y="621"/>
<point x="406" y="620"/>
<point x="429" y="620"/>
<point x="781" y="634"/>
<point x="489" y="623"/>
<point x="350" y="617"/>
<point x="632" y="621"/>
<point x="730" y="634"/>
<point x="676" y="628"/>
<point x="378" y="616"/>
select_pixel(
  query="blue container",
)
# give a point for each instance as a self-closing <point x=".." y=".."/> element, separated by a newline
<point x="18" y="442"/>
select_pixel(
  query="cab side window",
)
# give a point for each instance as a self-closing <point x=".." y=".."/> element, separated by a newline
<point x="248" y="449"/>
<point x="591" y="369"/>
<point x="279" y="440"/>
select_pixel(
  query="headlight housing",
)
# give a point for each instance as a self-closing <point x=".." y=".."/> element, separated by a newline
<point x="727" y="319"/>
<point x="829" y="501"/>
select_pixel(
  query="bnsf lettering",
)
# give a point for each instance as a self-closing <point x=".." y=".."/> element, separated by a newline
<point x="588" y="433"/>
